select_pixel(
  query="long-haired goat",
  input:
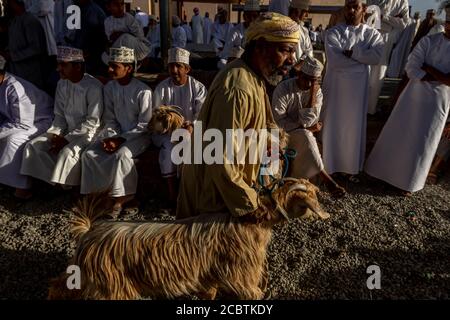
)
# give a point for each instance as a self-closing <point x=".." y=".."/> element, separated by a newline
<point x="200" y="255"/>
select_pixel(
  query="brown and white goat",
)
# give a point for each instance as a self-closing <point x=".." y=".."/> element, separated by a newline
<point x="200" y="255"/>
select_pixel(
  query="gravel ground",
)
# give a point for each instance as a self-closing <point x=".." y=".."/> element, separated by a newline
<point x="307" y="260"/>
<point x="408" y="238"/>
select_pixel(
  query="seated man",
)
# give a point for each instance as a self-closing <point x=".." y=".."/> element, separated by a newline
<point x="54" y="157"/>
<point x="296" y="105"/>
<point x="108" y="164"/>
<point x="123" y="30"/>
<point x="25" y="112"/>
<point x="441" y="157"/>
<point x="179" y="90"/>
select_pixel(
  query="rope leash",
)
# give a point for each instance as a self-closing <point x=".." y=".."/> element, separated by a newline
<point x="288" y="155"/>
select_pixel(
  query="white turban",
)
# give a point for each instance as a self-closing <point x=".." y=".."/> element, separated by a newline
<point x="178" y="55"/>
<point x="312" y="67"/>
<point x="120" y="55"/>
<point x="69" y="54"/>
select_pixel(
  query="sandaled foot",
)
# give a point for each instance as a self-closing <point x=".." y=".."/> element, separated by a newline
<point x="114" y="213"/>
<point x="432" y="178"/>
<point x="405" y="193"/>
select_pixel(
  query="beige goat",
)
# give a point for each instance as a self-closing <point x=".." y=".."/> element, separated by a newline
<point x="200" y="255"/>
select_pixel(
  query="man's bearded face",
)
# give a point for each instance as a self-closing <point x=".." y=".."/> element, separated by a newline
<point x="354" y="12"/>
<point x="279" y="60"/>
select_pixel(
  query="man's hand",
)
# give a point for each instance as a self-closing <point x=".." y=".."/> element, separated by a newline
<point x="315" y="128"/>
<point x="348" y="53"/>
<point x="111" y="145"/>
<point x="57" y="142"/>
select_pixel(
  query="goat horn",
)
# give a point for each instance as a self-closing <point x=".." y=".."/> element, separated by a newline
<point x="316" y="208"/>
<point x="298" y="186"/>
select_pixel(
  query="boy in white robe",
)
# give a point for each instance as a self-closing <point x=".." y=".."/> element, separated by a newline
<point x="25" y="112"/>
<point x="123" y="30"/>
<point x="351" y="48"/>
<point x="179" y="37"/>
<point x="296" y="105"/>
<point x="109" y="163"/>
<point x="55" y="157"/>
<point x="404" y="151"/>
<point x="179" y="90"/>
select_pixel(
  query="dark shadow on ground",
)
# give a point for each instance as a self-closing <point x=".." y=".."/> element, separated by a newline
<point x="25" y="274"/>
<point x="418" y="274"/>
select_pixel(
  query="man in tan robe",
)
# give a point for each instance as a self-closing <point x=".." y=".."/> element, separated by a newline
<point x="237" y="99"/>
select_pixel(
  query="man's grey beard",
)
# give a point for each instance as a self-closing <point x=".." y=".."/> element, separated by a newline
<point x="272" y="76"/>
<point x="274" y="79"/>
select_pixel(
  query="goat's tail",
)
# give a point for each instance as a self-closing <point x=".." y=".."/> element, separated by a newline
<point x="88" y="209"/>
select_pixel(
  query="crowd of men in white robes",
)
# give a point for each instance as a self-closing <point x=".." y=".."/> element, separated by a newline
<point x="89" y="134"/>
